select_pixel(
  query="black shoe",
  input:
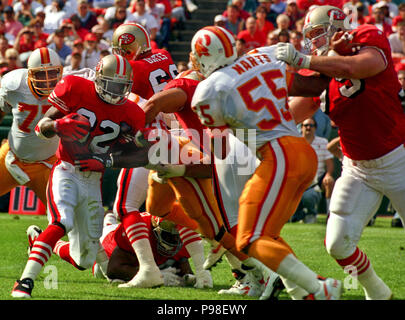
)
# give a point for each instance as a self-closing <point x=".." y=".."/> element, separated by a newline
<point x="396" y="223"/>
<point x="23" y="288"/>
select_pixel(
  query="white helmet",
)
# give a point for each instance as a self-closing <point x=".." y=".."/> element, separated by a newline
<point x="212" y="48"/>
<point x="114" y="79"/>
<point x="321" y="23"/>
<point x="44" y="71"/>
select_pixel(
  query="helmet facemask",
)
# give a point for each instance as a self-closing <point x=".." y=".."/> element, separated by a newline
<point x="168" y="238"/>
<point x="44" y="79"/>
<point x="113" y="91"/>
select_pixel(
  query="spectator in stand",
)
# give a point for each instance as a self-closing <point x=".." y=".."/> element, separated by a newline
<point x="278" y="6"/>
<point x="78" y="46"/>
<point x="220" y="21"/>
<point x="401" y="79"/>
<point x="323" y="182"/>
<point x="283" y="23"/>
<point x="234" y="23"/>
<point x="299" y="25"/>
<point x="349" y="5"/>
<point x="59" y="46"/>
<point x="284" y="36"/>
<point x="120" y="15"/>
<point x="253" y="38"/>
<point x="272" y="38"/>
<point x="262" y="24"/>
<point x="163" y="17"/>
<point x="13" y="61"/>
<point x="25" y="14"/>
<point x="293" y="13"/>
<point x="91" y="52"/>
<point x="12" y="26"/>
<point x="54" y="15"/>
<point x="397" y="42"/>
<point x="182" y="66"/>
<point x="77" y="27"/>
<point x="240" y="45"/>
<point x="271" y="15"/>
<point x="4" y="45"/>
<point x="88" y="19"/>
<point x="10" y="38"/>
<point x="103" y="44"/>
<point x="399" y="17"/>
<point x="242" y="13"/>
<point x="75" y="62"/>
<point x="37" y="27"/>
<point x="110" y="11"/>
<point x="108" y="32"/>
<point x="378" y="19"/>
<point x="25" y="40"/>
<point x="145" y="19"/>
<point x="296" y="40"/>
<point x="392" y="8"/>
<point x="35" y="6"/>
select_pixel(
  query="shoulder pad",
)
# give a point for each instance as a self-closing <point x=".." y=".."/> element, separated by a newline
<point x="191" y="74"/>
<point x="12" y="80"/>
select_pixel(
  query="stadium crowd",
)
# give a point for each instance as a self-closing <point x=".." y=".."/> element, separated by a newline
<point x="81" y="33"/>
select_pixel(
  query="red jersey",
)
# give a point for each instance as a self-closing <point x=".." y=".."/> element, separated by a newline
<point x="152" y="73"/>
<point x="186" y="116"/>
<point x="77" y="94"/>
<point x="123" y="243"/>
<point x="368" y="111"/>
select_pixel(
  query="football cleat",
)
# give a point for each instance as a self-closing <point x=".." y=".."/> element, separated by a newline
<point x="214" y="256"/>
<point x="330" y="289"/>
<point x="272" y="287"/>
<point x="23" y="288"/>
<point x="145" y="279"/>
<point x="246" y="286"/>
<point x="33" y="232"/>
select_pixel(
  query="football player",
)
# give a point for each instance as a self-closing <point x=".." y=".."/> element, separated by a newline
<point x="172" y="246"/>
<point x="87" y="116"/>
<point x="152" y="70"/>
<point x="364" y="104"/>
<point x="25" y="159"/>
<point x="176" y="98"/>
<point x="251" y="93"/>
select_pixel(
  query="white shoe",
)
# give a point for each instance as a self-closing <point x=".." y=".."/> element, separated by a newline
<point x="245" y="286"/>
<point x="330" y="289"/>
<point x="214" y="257"/>
<point x="145" y="279"/>
<point x="272" y="287"/>
<point x="33" y="233"/>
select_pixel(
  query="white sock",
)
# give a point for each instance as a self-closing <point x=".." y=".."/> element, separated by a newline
<point x="374" y="287"/>
<point x="144" y="254"/>
<point x="294" y="270"/>
<point x="31" y="270"/>
<point x="196" y="251"/>
<point x="295" y="292"/>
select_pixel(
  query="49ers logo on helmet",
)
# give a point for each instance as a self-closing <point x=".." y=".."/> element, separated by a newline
<point x="99" y="65"/>
<point x="126" y="38"/>
<point x="200" y="48"/>
<point x="336" y="14"/>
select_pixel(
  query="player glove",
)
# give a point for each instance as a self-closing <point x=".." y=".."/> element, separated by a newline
<point x="287" y="53"/>
<point x="70" y="128"/>
<point x="203" y="279"/>
<point x="94" y="162"/>
<point x="170" y="278"/>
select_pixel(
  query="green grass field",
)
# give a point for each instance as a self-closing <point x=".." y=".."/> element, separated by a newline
<point x="383" y="245"/>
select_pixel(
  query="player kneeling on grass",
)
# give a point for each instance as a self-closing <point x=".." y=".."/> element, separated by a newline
<point x="87" y="116"/>
<point x="172" y="246"/>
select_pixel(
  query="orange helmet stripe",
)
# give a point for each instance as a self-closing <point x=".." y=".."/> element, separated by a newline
<point x="224" y="40"/>
<point x="45" y="57"/>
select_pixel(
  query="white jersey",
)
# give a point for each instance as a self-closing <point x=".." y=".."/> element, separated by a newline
<point x="320" y="144"/>
<point x="27" y="110"/>
<point x="251" y="93"/>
